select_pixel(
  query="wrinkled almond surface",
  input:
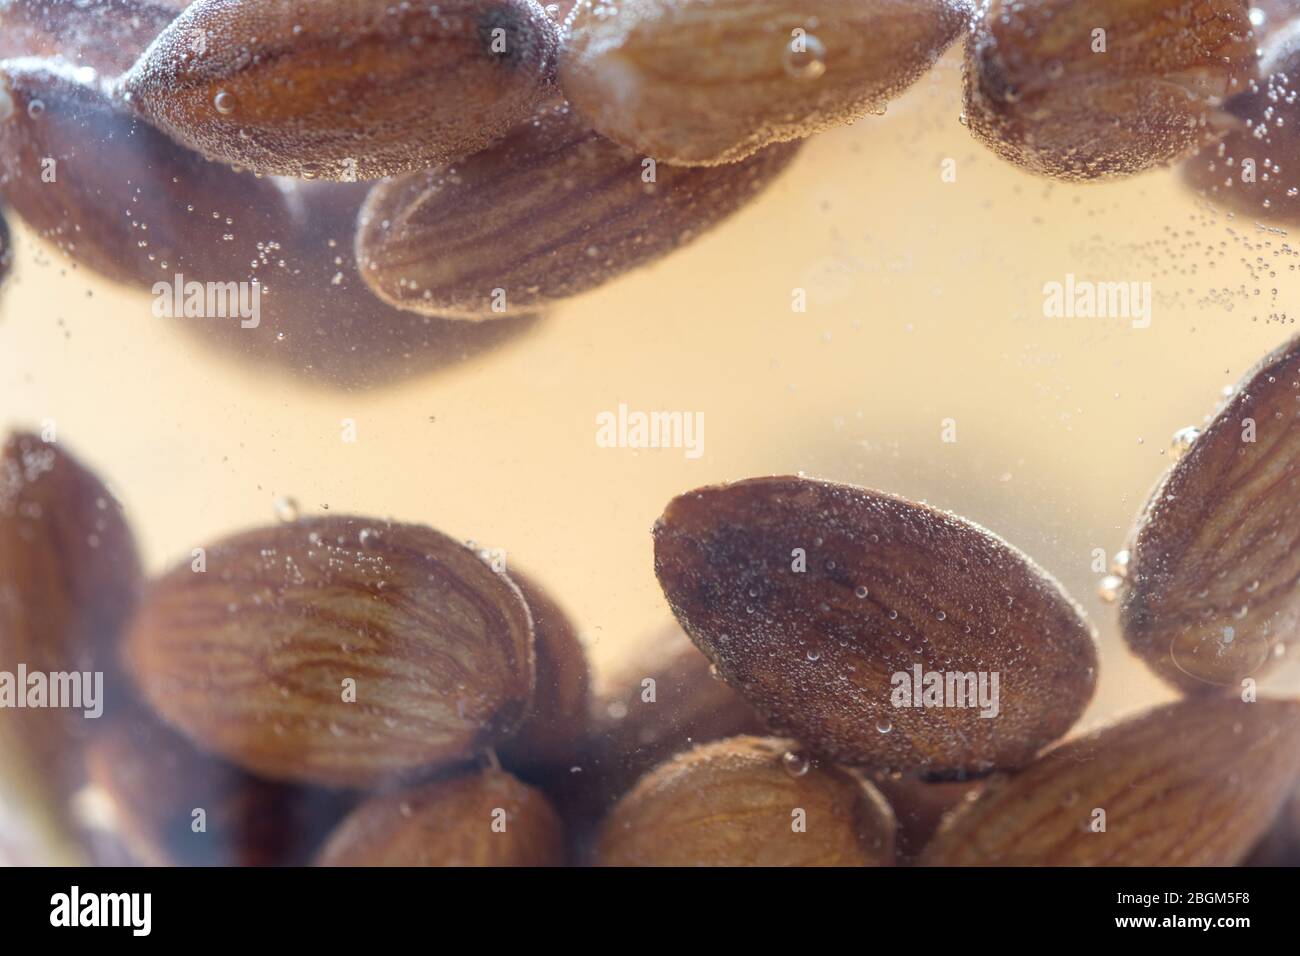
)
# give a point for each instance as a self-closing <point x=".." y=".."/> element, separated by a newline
<point x="748" y="801"/>
<point x="345" y="89"/>
<point x="250" y="658"/>
<point x="553" y="210"/>
<point x="699" y="82"/>
<point x="480" y="819"/>
<point x="887" y="586"/>
<point x="1189" y="784"/>
<point x="1047" y="91"/>
<point x="1212" y="589"/>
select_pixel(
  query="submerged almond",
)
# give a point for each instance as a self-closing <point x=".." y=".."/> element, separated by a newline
<point x="1212" y="589"/>
<point x="69" y="577"/>
<point x="105" y="35"/>
<point x="338" y="651"/>
<point x="877" y="631"/>
<point x="644" y="74"/>
<point x="345" y="89"/>
<point x="486" y="818"/>
<point x="748" y="801"/>
<point x="1090" y="89"/>
<point x="1190" y="784"/>
<point x="552" y="211"/>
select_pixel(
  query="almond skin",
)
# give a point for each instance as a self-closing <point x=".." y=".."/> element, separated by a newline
<point x="557" y="724"/>
<point x="69" y="576"/>
<point x="1250" y="171"/>
<point x="249" y="658"/>
<point x="105" y="35"/>
<point x="552" y="211"/>
<point x="125" y="201"/>
<point x="642" y="73"/>
<point x="1211" y="589"/>
<point x="734" y="803"/>
<point x="345" y="89"/>
<point x="456" y="822"/>
<point x="1040" y="97"/>
<point x="888" y="585"/>
<point x="153" y="780"/>
<point x="1189" y="784"/>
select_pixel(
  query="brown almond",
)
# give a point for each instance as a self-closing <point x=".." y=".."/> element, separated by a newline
<point x="340" y="651"/>
<point x="645" y="72"/>
<point x="748" y="801"/>
<point x="131" y="205"/>
<point x="69" y="576"/>
<point x="170" y="804"/>
<point x="1280" y="846"/>
<point x="1189" y="784"/>
<point x="345" y="89"/>
<point x="105" y="35"/>
<point x="836" y="611"/>
<point x="1250" y="170"/>
<point x="1211" y="591"/>
<point x="552" y="211"/>
<point x="115" y="195"/>
<point x="557" y="724"/>
<point x="1105" y="88"/>
<point x="481" y="819"/>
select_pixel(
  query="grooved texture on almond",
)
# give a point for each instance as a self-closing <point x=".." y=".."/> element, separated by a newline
<point x="249" y="659"/>
<point x="1212" y="584"/>
<point x="345" y="89"/>
<point x="557" y="723"/>
<point x="105" y="35"/>
<point x="69" y="576"/>
<point x="1046" y="90"/>
<point x="643" y="71"/>
<point x="748" y="801"/>
<point x="887" y="586"/>
<point x="1189" y="784"/>
<point x="153" y="781"/>
<point x="552" y="211"/>
<point x="1249" y="171"/>
<point x="481" y="819"/>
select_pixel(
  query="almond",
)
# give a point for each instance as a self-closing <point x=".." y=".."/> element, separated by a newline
<point x="1211" y="593"/>
<point x="345" y="89"/>
<point x="105" y="35"/>
<point x="1280" y="846"/>
<point x="69" y="575"/>
<point x="714" y="81"/>
<point x="827" y="605"/>
<point x="338" y="650"/>
<point x="480" y="819"/>
<point x="748" y="801"/>
<point x="1189" y="784"/>
<point x="557" y="724"/>
<point x="173" y="805"/>
<point x="113" y="194"/>
<point x="552" y="211"/>
<point x="1249" y="171"/>
<point x="1093" y="89"/>
<point x="130" y="204"/>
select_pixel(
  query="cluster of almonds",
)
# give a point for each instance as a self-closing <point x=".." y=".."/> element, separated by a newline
<point x="526" y="155"/>
<point x="360" y="692"/>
